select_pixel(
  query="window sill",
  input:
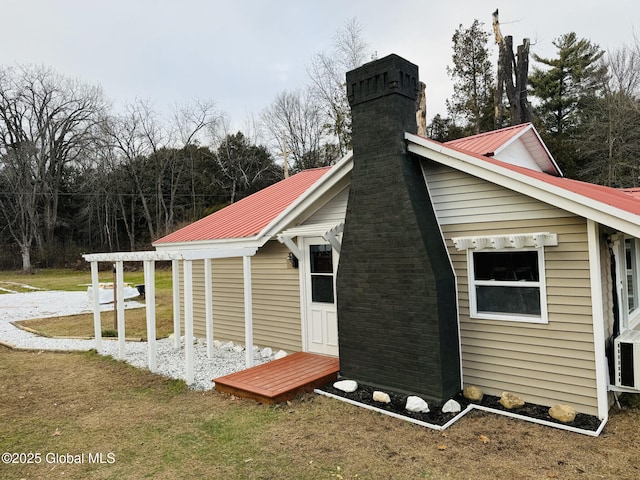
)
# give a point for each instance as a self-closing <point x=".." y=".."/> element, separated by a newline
<point x="512" y="318"/>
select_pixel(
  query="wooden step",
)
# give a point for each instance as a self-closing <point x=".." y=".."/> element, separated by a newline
<point x="281" y="380"/>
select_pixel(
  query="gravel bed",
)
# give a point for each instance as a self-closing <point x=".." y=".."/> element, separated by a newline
<point x="170" y="361"/>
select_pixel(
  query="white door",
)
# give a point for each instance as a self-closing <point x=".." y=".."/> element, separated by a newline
<point x="321" y="322"/>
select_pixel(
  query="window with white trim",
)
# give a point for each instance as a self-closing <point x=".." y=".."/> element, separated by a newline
<point x="631" y="263"/>
<point x="627" y="251"/>
<point x="507" y="284"/>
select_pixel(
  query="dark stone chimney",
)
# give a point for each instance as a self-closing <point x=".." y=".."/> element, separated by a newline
<point x="397" y="317"/>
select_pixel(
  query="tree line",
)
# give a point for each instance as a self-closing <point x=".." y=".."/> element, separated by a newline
<point x="584" y="101"/>
<point x="77" y="176"/>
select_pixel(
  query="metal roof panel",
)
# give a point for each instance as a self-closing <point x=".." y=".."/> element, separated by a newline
<point x="249" y="216"/>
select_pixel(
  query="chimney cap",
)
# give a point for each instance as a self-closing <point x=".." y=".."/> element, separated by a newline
<point x="385" y="76"/>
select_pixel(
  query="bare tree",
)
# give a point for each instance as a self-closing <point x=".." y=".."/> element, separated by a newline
<point x="295" y="118"/>
<point x="327" y="73"/>
<point x="135" y="135"/>
<point x="195" y="123"/>
<point x="158" y="159"/>
<point x="611" y="139"/>
<point x="244" y="167"/>
<point x="47" y="122"/>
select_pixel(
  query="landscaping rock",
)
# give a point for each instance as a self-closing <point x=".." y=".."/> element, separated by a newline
<point x="510" y="400"/>
<point x="381" y="397"/>
<point x="451" y="407"/>
<point x="416" y="404"/>
<point x="473" y="393"/>
<point x="280" y="354"/>
<point x="563" y="413"/>
<point x="346" y="386"/>
<point x="266" y="352"/>
<point x="238" y="348"/>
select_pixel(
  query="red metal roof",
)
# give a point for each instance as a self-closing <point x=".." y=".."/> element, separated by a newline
<point x="626" y="200"/>
<point x="247" y="217"/>
<point x="487" y="143"/>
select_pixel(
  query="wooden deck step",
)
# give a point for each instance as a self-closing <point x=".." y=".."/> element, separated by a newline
<point x="281" y="380"/>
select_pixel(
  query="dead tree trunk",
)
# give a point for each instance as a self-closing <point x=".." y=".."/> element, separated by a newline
<point x="511" y="67"/>
<point x="499" y="92"/>
<point x="522" y="77"/>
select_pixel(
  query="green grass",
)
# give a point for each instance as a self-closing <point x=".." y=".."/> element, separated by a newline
<point x="77" y="280"/>
<point x="157" y="428"/>
<point x="82" y="325"/>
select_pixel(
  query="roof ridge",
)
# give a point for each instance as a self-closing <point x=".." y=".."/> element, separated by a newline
<point x="490" y="132"/>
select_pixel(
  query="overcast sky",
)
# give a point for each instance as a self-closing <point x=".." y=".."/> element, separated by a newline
<point x="242" y="53"/>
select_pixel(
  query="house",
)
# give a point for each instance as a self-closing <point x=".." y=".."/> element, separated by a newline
<point x="304" y="207"/>
<point x="473" y="262"/>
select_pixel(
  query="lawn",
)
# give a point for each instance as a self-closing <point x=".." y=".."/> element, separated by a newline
<point x="57" y="407"/>
<point x="147" y="426"/>
<point x="82" y="325"/>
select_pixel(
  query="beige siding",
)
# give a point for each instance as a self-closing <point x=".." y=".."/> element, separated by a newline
<point x="333" y="212"/>
<point x="546" y="364"/>
<point x="276" y="299"/>
<point x="462" y="198"/>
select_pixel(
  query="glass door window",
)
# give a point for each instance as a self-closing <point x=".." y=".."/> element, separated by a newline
<point x="321" y="260"/>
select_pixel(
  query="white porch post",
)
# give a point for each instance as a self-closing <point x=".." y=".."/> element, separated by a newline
<point x="175" y="266"/>
<point x="150" y="303"/>
<point x="248" y="311"/>
<point x="208" y="302"/>
<point x="188" y="319"/>
<point x="119" y="286"/>
<point x="595" y="272"/>
<point x="95" y="289"/>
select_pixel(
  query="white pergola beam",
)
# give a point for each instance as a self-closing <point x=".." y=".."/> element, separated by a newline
<point x="127" y="256"/>
<point x="175" y="256"/>
<point x="160" y="255"/>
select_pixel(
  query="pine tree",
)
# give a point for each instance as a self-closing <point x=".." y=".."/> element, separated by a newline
<point x="473" y="80"/>
<point x="563" y="89"/>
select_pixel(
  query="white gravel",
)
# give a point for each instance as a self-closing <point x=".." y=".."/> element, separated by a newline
<point x="226" y="359"/>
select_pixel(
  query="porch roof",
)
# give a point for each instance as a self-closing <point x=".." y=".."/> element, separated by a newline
<point x="249" y="216"/>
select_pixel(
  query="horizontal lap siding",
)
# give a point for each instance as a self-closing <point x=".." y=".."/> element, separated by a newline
<point x="276" y="299"/>
<point x="275" y="294"/>
<point x="546" y="364"/>
<point x="333" y="212"/>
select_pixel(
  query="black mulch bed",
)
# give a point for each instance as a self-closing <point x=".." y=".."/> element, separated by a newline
<point x="364" y="395"/>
